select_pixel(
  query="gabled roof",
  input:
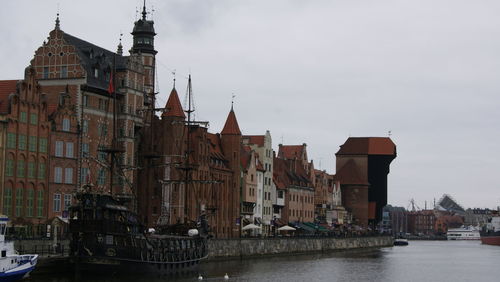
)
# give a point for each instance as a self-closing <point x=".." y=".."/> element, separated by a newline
<point x="231" y="126"/>
<point x="291" y="151"/>
<point x="101" y="59"/>
<point x="350" y="174"/>
<point x="368" y="146"/>
<point x="215" y="146"/>
<point x="255" y="139"/>
<point x="7" y="87"/>
<point x="173" y="106"/>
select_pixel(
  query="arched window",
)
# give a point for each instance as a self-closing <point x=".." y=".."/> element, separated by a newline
<point x="30" y="201"/>
<point x="39" y="201"/>
<point x="7" y="199"/>
<point x="19" y="199"/>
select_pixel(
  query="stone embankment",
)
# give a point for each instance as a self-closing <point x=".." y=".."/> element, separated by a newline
<point x="253" y="247"/>
<point x="220" y="249"/>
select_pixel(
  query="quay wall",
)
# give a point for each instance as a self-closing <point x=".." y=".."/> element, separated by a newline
<point x="244" y="247"/>
<point x="253" y="247"/>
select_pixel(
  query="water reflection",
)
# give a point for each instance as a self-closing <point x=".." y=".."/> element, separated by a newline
<point x="420" y="261"/>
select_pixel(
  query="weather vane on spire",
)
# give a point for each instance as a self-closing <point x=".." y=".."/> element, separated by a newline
<point x="232" y="100"/>
<point x="144" y="13"/>
<point x="173" y="73"/>
<point x="57" y="18"/>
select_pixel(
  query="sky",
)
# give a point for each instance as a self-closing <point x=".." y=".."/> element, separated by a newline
<point x="318" y="72"/>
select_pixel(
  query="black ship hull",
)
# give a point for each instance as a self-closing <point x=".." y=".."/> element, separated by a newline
<point x="107" y="237"/>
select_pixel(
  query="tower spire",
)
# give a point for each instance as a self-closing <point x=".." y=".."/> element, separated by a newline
<point x="119" y="51"/>
<point x="58" y="26"/>
<point x="144" y="11"/>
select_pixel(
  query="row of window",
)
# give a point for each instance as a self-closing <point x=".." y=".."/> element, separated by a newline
<point x="302" y="213"/>
<point x="22" y="209"/>
<point x="22" y="143"/>
<point x="28" y="209"/>
<point x="57" y="202"/>
<point x="296" y="198"/>
<point x="59" y="152"/>
<point x="62" y="74"/>
<point x="21" y="169"/>
<point x="68" y="175"/>
<point x="23" y="117"/>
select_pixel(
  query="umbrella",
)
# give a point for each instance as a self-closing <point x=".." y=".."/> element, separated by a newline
<point x="286" y="228"/>
<point x="250" y="226"/>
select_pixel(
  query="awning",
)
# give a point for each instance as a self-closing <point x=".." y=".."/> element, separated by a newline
<point x="250" y="226"/>
<point x="286" y="228"/>
<point x="305" y="227"/>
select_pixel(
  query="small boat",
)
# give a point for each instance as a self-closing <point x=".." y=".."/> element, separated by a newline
<point x="400" y="242"/>
<point x="13" y="266"/>
<point x="490" y="234"/>
<point x="463" y="233"/>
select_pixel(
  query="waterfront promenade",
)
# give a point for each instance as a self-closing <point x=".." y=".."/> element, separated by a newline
<point x="223" y="249"/>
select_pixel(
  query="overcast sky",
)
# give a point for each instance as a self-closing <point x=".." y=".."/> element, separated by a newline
<point x="317" y="72"/>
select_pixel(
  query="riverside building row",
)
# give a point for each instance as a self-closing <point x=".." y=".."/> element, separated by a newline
<point x="57" y="122"/>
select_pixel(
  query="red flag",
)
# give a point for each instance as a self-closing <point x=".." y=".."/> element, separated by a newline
<point x="111" y="86"/>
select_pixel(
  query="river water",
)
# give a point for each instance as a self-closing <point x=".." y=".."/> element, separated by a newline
<point x="419" y="261"/>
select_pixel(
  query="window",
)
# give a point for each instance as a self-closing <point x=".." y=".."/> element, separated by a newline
<point x="34" y="119"/>
<point x="64" y="71"/>
<point x="7" y="201"/>
<point x="96" y="72"/>
<point x="65" y="124"/>
<point x="30" y="203"/>
<point x="59" y="148"/>
<point x="67" y="201"/>
<point x="85" y="126"/>
<point x="101" y="155"/>
<point x="57" y="202"/>
<point x="42" y="145"/>
<point x="58" y="174"/>
<point x="84" y="176"/>
<point x="20" y="168"/>
<point x="68" y="175"/>
<point x="102" y="129"/>
<point x="103" y="104"/>
<point x="23" y="117"/>
<point x="85" y="101"/>
<point x="39" y="204"/>
<point x="45" y="72"/>
<point x="32" y="144"/>
<point x="41" y="170"/>
<point x="19" y="201"/>
<point x="9" y="168"/>
<point x="22" y="142"/>
<point x="101" y="177"/>
<point x="85" y="149"/>
<point x="11" y="140"/>
<point x="69" y="149"/>
<point x="31" y="170"/>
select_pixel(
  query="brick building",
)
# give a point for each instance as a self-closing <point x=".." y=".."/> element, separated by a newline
<point x="212" y="163"/>
<point x="59" y="120"/>
<point x="293" y="171"/>
<point x="25" y="188"/>
<point x="362" y="168"/>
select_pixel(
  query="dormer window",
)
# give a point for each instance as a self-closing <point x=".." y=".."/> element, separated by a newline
<point x="65" y="125"/>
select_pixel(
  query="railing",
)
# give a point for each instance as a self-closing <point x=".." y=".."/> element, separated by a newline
<point x="45" y="250"/>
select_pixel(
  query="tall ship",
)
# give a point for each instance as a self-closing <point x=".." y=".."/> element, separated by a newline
<point x="490" y="233"/>
<point x="108" y="232"/>
<point x="463" y="233"/>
